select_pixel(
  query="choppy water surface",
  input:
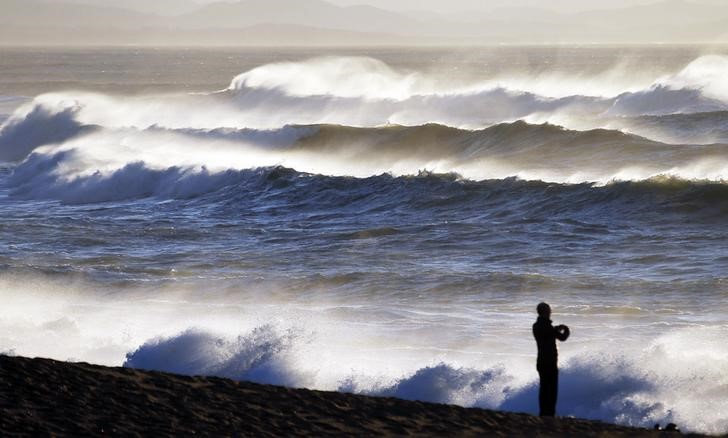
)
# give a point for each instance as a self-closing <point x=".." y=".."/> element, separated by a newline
<point x="376" y="221"/>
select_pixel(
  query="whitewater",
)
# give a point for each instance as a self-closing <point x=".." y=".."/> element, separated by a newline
<point x="377" y="222"/>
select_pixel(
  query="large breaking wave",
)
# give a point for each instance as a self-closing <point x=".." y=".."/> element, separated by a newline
<point x="335" y="116"/>
<point x="98" y="165"/>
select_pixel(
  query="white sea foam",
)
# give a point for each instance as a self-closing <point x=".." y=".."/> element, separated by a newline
<point x="669" y="380"/>
<point x="675" y="373"/>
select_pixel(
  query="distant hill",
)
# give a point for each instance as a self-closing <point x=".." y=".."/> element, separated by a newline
<point x="318" y="22"/>
<point x="310" y="13"/>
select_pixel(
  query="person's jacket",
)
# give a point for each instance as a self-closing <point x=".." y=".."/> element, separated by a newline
<point x="546" y="336"/>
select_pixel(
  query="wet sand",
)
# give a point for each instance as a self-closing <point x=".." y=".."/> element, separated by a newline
<point x="46" y="397"/>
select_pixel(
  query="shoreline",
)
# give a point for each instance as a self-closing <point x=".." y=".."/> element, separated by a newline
<point x="43" y="396"/>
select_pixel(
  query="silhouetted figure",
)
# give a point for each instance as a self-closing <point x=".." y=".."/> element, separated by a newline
<point x="546" y="364"/>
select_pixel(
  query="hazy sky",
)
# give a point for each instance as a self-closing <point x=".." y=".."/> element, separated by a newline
<point x="449" y="6"/>
<point x="445" y="6"/>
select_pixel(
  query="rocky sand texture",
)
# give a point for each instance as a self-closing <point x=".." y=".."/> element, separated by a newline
<point x="46" y="397"/>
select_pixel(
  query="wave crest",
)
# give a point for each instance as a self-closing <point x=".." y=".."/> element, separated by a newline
<point x="335" y="76"/>
<point x="260" y="356"/>
<point x="36" y="125"/>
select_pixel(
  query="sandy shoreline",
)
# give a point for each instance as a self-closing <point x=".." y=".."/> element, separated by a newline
<point x="42" y="397"/>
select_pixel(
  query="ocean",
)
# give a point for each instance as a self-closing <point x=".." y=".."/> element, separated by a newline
<point x="378" y="221"/>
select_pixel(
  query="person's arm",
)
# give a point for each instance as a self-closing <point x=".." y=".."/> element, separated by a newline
<point x="562" y="332"/>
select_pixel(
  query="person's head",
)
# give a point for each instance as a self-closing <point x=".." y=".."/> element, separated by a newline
<point x="544" y="310"/>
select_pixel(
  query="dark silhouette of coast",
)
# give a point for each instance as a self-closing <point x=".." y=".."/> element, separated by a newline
<point x="46" y="397"/>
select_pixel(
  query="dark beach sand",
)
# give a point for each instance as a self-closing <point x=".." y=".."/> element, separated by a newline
<point x="46" y="397"/>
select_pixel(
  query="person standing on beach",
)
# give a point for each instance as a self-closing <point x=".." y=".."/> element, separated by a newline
<point x="546" y="363"/>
